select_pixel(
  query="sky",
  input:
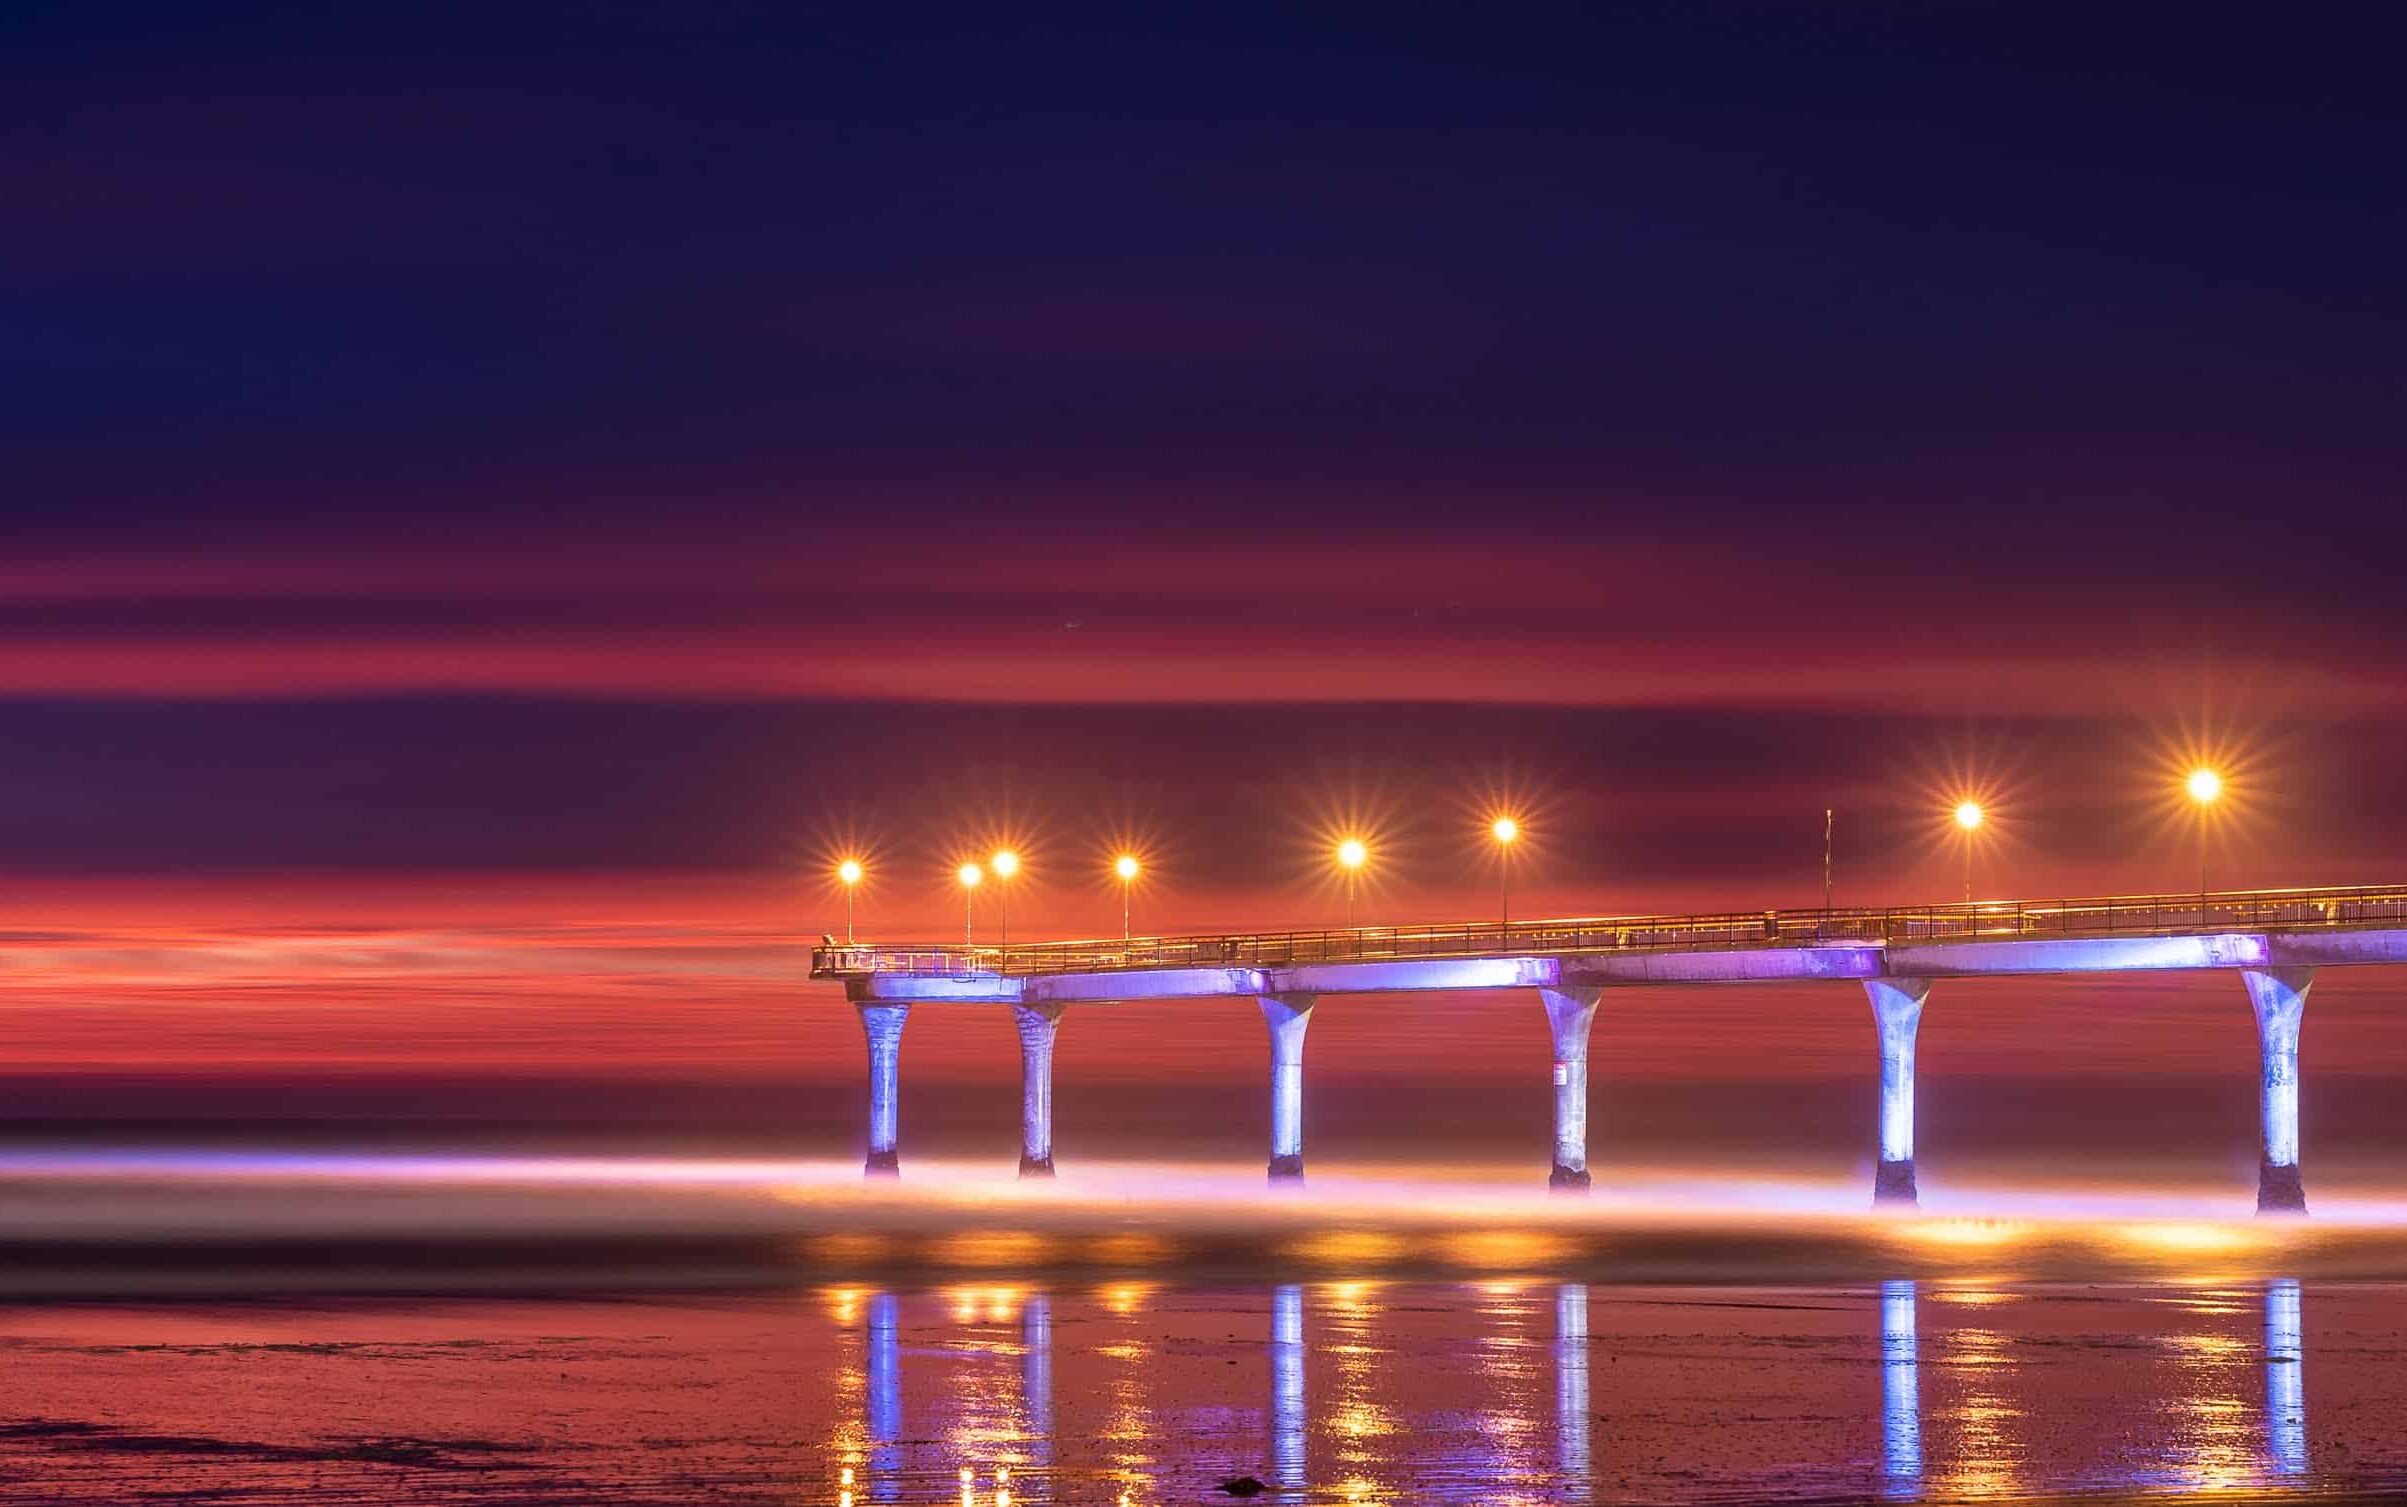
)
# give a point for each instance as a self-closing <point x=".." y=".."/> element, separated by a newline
<point x="500" y="498"/>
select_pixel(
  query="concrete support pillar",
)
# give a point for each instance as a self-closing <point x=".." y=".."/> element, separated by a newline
<point x="1037" y="1024"/>
<point x="2280" y="998"/>
<point x="883" y="1025"/>
<point x="1569" y="1014"/>
<point x="1288" y="1016"/>
<point x="1897" y="1013"/>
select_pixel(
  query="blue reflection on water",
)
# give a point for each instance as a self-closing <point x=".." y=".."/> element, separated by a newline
<point x="1900" y="1393"/>
<point x="1287" y="1383"/>
<point x="885" y="1396"/>
<point x="2285" y="1379"/>
<point x="1571" y="1380"/>
<point x="1036" y="1376"/>
<point x="1506" y="1455"/>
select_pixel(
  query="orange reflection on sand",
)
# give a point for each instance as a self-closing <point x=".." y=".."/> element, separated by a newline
<point x="1351" y="1298"/>
<point x="1132" y="1249"/>
<point x="1503" y="1249"/>
<point x="1355" y="1248"/>
<point x="2185" y="1238"/>
<point x="846" y="1249"/>
<point x="1014" y="1248"/>
<point x="1987" y="1456"/>
<point x="992" y="1305"/>
<point x="1965" y="1234"/>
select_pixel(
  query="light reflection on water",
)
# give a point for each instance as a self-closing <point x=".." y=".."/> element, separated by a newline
<point x="1900" y="1392"/>
<point x="1353" y="1416"/>
<point x="2285" y="1378"/>
<point x="1289" y="1460"/>
<point x="1500" y="1389"/>
<point x="1571" y="1382"/>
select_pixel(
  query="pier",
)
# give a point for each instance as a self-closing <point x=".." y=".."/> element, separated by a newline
<point x="2274" y="940"/>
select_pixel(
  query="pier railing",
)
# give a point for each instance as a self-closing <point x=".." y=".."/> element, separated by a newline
<point x="1978" y="921"/>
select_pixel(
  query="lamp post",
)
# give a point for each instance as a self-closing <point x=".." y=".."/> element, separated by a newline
<point x="1506" y="831"/>
<point x="1352" y="854"/>
<point x="969" y="874"/>
<point x="1969" y="817"/>
<point x="1829" y="818"/>
<point x="1003" y="865"/>
<point x="2204" y="787"/>
<point x="849" y="872"/>
<point x="1126" y="867"/>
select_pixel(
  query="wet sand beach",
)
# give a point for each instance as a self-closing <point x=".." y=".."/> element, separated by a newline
<point x="380" y="1329"/>
<point x="1524" y="1388"/>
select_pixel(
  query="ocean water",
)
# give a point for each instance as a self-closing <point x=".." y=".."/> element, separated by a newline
<point x="1502" y="1389"/>
<point x="378" y="1326"/>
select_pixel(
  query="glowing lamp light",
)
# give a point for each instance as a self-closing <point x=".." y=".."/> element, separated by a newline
<point x="1505" y="829"/>
<point x="2204" y="786"/>
<point x="1352" y="854"/>
<point x="850" y="871"/>
<point x="969" y="874"/>
<point x="1005" y="863"/>
<point x="1969" y="815"/>
<point x="1125" y="866"/>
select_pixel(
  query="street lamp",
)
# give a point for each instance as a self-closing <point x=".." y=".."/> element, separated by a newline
<point x="1506" y="831"/>
<point x="1126" y="867"/>
<point x="1352" y="854"/>
<point x="850" y="873"/>
<point x="969" y="874"/>
<point x="1004" y="864"/>
<point x="1969" y="817"/>
<point x="2204" y="787"/>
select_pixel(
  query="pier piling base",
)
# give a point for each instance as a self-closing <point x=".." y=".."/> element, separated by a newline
<point x="2280" y="1190"/>
<point x="1893" y="1183"/>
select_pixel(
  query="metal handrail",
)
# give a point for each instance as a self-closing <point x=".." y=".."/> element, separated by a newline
<point x="1980" y="920"/>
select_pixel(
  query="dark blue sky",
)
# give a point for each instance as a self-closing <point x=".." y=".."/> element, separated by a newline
<point x="396" y="383"/>
<point x="565" y="261"/>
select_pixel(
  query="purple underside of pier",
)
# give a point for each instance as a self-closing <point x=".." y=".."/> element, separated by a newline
<point x="1969" y="959"/>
